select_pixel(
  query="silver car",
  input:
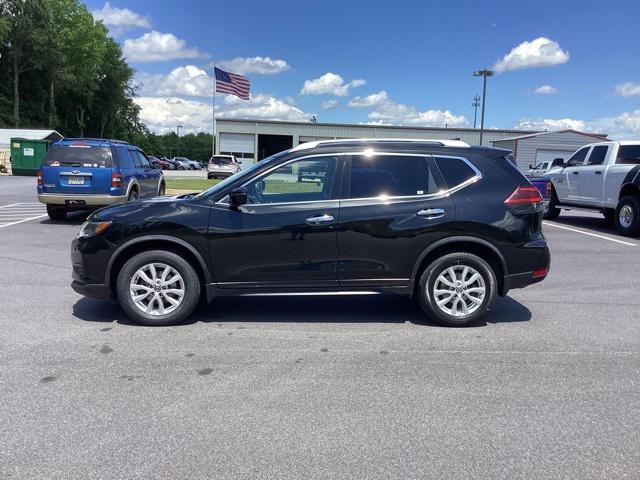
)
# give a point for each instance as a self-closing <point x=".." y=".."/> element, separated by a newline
<point x="222" y="166"/>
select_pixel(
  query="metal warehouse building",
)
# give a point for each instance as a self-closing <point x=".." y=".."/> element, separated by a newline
<point x="538" y="147"/>
<point x="251" y="140"/>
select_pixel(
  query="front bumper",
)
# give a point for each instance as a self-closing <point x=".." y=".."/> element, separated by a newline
<point x="88" y="199"/>
<point x="94" y="290"/>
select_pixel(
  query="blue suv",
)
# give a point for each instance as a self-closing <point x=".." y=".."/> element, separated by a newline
<point x="83" y="173"/>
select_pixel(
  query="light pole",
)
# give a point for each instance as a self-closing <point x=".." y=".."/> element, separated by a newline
<point x="475" y="105"/>
<point x="178" y="133"/>
<point x="484" y="74"/>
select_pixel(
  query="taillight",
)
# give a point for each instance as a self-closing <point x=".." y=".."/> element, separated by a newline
<point x="524" y="195"/>
<point x="116" y="179"/>
<point x="39" y="178"/>
<point x="543" y="272"/>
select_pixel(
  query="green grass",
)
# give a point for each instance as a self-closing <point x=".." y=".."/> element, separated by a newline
<point x="190" y="184"/>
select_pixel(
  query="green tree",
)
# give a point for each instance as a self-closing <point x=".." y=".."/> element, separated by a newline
<point x="26" y="31"/>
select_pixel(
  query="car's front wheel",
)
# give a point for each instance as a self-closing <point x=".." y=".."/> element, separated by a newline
<point x="56" y="213"/>
<point x="457" y="289"/>
<point x="158" y="288"/>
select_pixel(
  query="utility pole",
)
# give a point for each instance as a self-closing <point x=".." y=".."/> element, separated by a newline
<point x="178" y="133"/>
<point x="484" y="74"/>
<point x="475" y="105"/>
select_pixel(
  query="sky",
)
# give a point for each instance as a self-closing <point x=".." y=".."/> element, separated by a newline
<point x="562" y="64"/>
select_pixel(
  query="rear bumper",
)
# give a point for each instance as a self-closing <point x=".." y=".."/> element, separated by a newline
<point x="88" y="199"/>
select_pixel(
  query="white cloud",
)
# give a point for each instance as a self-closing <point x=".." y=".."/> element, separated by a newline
<point x="120" y="19"/>
<point x="163" y="114"/>
<point x="261" y="107"/>
<point x="385" y="111"/>
<point x="551" y="124"/>
<point x="545" y="90"/>
<point x="625" y="126"/>
<point x="329" y="83"/>
<point x="189" y="81"/>
<point x="540" y="52"/>
<point x="155" y="46"/>
<point x="329" y="104"/>
<point x="370" y="100"/>
<point x="628" y="89"/>
<point x="258" y="65"/>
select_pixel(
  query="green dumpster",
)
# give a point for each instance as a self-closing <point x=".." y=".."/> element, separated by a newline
<point x="26" y="155"/>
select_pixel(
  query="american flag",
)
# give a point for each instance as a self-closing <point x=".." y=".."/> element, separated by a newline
<point x="232" y="83"/>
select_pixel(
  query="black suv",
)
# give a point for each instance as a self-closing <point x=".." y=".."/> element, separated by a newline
<point x="450" y="224"/>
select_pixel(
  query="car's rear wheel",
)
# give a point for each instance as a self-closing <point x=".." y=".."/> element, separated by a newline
<point x="457" y="289"/>
<point x="628" y="215"/>
<point x="158" y="288"/>
<point x="56" y="212"/>
<point x="133" y="195"/>
<point x="552" y="212"/>
<point x="609" y="215"/>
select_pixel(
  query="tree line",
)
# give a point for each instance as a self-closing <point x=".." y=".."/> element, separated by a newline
<point x="61" y="70"/>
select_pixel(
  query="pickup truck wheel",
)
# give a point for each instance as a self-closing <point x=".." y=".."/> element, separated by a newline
<point x="628" y="216"/>
<point x="552" y="211"/>
<point x="609" y="215"/>
<point x="56" y="213"/>
<point x="457" y="289"/>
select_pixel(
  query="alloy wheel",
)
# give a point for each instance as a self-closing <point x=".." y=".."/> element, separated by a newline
<point x="626" y="216"/>
<point x="157" y="289"/>
<point x="459" y="290"/>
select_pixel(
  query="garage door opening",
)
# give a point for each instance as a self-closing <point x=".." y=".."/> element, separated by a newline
<point x="271" y="144"/>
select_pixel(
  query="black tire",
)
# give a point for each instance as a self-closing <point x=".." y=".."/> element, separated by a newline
<point x="210" y="176"/>
<point x="133" y="195"/>
<point x="609" y="215"/>
<point x="440" y="265"/>
<point x="630" y="226"/>
<point x="553" y="211"/>
<point x="161" y="189"/>
<point x="183" y="267"/>
<point x="56" y="212"/>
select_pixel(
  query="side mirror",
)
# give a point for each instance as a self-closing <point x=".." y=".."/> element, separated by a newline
<point x="237" y="197"/>
<point x="531" y="166"/>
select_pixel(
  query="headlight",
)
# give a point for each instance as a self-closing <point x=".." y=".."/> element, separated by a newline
<point x="89" y="229"/>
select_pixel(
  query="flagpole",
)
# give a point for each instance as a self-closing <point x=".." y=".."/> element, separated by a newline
<point x="213" y="141"/>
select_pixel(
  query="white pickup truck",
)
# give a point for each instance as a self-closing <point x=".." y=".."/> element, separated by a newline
<point x="603" y="176"/>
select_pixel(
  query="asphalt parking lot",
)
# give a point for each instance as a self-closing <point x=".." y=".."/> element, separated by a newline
<point x="321" y="387"/>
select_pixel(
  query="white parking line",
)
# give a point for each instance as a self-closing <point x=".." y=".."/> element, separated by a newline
<point x="551" y="224"/>
<point x="16" y="213"/>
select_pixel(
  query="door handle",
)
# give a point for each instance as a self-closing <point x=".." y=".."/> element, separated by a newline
<point x="431" y="212"/>
<point x="576" y="173"/>
<point x="320" y="219"/>
<point x="598" y="172"/>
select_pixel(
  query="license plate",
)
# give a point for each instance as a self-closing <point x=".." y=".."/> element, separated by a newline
<point x="76" y="180"/>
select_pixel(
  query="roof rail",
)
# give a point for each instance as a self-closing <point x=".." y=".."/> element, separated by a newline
<point x="441" y="143"/>
<point x="109" y="140"/>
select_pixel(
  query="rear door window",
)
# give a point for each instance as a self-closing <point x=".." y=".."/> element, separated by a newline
<point x="78" y="156"/>
<point x="455" y="171"/>
<point x="391" y="176"/>
<point x="598" y="154"/>
<point x="628" y="155"/>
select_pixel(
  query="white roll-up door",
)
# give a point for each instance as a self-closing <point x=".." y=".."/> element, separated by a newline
<point x="237" y="143"/>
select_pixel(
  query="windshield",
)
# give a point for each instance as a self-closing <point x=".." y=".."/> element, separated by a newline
<point x="218" y="187"/>
<point x="78" y="156"/>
